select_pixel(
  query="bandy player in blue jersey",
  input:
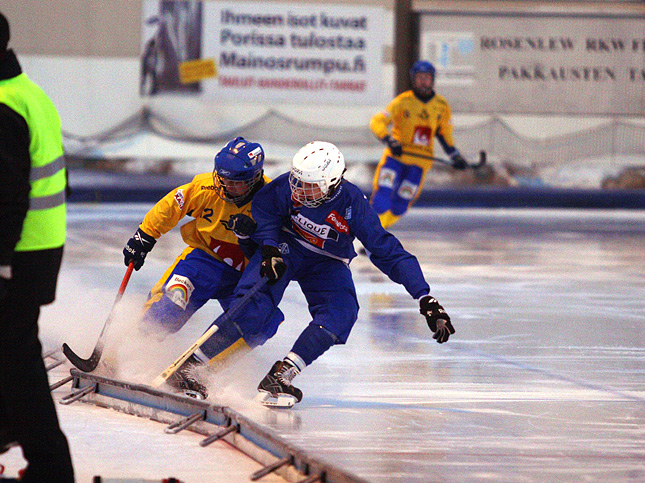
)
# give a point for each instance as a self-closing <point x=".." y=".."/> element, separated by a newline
<point x="307" y="220"/>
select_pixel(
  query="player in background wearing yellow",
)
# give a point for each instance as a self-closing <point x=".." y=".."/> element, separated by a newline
<point x="407" y="127"/>
<point x="213" y="262"/>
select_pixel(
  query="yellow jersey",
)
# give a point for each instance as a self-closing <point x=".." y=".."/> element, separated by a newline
<point x="415" y="124"/>
<point x="208" y="229"/>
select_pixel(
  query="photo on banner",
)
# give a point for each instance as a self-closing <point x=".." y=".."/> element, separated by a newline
<point x="172" y="38"/>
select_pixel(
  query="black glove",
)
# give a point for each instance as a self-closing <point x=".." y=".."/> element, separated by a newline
<point x="393" y="144"/>
<point x="137" y="248"/>
<point x="242" y="225"/>
<point x="458" y="162"/>
<point x="273" y="266"/>
<point x="437" y="318"/>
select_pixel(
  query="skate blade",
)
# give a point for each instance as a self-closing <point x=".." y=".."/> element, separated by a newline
<point x="280" y="401"/>
<point x="193" y="394"/>
<point x="187" y="393"/>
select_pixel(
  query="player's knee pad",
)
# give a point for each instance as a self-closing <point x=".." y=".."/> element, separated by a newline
<point x="165" y="315"/>
<point x="178" y="290"/>
<point x="403" y="197"/>
<point x="387" y="178"/>
<point x="171" y="307"/>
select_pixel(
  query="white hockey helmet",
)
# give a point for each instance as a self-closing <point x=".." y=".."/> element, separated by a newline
<point x="316" y="170"/>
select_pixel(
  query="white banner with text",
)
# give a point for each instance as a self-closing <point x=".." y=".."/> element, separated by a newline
<point x="286" y="52"/>
<point x="538" y="63"/>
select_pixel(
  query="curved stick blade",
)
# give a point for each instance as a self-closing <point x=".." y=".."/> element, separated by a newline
<point x="88" y="365"/>
<point x="482" y="159"/>
<point x="85" y="365"/>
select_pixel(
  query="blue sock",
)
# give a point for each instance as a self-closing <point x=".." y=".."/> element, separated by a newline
<point x="313" y="342"/>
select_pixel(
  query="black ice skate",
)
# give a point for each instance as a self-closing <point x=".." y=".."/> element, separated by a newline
<point x="184" y="381"/>
<point x="276" y="389"/>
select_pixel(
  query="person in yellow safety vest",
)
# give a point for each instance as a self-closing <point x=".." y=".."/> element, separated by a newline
<point x="407" y="127"/>
<point x="32" y="235"/>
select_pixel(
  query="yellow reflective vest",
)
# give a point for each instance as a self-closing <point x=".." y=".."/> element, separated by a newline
<point x="44" y="225"/>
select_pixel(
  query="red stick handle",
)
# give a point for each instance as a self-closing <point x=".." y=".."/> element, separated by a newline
<point x="126" y="279"/>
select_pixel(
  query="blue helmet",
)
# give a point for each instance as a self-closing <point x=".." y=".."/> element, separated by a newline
<point x="422" y="66"/>
<point x="238" y="169"/>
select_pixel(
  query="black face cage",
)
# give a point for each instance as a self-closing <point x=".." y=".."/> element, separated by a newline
<point x="248" y="185"/>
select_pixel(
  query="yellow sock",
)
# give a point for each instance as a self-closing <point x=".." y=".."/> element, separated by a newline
<point x="388" y="219"/>
<point x="232" y="353"/>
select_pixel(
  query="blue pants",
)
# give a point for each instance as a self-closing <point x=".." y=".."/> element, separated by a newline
<point x="192" y="280"/>
<point x="328" y="288"/>
<point x="396" y="186"/>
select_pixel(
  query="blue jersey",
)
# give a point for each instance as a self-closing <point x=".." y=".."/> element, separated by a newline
<point x="329" y="230"/>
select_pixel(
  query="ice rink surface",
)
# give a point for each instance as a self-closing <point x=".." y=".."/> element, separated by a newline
<point x="544" y="380"/>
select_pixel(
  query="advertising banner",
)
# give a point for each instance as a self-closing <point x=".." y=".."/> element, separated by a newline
<point x="262" y="51"/>
<point x="537" y="63"/>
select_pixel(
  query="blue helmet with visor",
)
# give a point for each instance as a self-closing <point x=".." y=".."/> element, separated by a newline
<point x="239" y="167"/>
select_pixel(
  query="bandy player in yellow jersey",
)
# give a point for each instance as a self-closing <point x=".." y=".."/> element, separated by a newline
<point x="408" y="126"/>
<point x="213" y="262"/>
